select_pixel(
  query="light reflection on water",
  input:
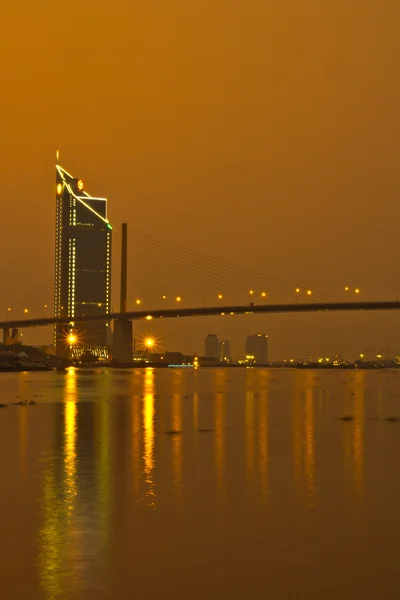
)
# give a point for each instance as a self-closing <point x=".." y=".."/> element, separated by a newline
<point x="138" y="468"/>
<point x="148" y="434"/>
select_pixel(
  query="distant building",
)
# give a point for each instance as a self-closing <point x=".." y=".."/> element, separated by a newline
<point x="211" y="347"/>
<point x="257" y="348"/>
<point x="225" y="351"/>
<point x="82" y="267"/>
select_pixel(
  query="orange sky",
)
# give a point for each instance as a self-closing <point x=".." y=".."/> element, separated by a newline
<point x="254" y="131"/>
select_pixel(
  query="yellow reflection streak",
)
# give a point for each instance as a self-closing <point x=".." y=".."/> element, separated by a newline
<point x="177" y="458"/>
<point x="70" y="414"/>
<point x="353" y="434"/>
<point x="102" y="433"/>
<point x="309" y="441"/>
<point x="219" y="439"/>
<point x="23" y="438"/>
<point x="249" y="421"/>
<point x="57" y="515"/>
<point x="358" y="439"/>
<point x="195" y="412"/>
<point x="296" y="436"/>
<point x="148" y="427"/>
<point x="263" y="442"/>
<point x="136" y="457"/>
<point x="51" y="550"/>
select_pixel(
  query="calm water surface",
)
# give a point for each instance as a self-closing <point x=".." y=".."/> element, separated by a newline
<point x="200" y="484"/>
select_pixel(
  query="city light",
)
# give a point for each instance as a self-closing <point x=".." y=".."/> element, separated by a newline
<point x="72" y="339"/>
<point x="138" y="301"/>
<point x="149" y="342"/>
<point x="149" y="317"/>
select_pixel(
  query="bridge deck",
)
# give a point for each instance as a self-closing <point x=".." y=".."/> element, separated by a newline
<point x="208" y="311"/>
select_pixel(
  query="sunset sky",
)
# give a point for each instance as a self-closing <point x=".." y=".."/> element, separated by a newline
<point x="264" y="133"/>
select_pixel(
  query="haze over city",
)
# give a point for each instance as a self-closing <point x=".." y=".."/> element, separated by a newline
<point x="265" y="134"/>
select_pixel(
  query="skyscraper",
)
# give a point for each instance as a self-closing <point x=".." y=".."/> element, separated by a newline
<point x="211" y="347"/>
<point x="225" y="351"/>
<point x="82" y="267"/>
<point x="257" y="348"/>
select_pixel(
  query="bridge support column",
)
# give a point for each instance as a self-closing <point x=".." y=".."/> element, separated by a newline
<point x="122" y="350"/>
<point x="9" y="339"/>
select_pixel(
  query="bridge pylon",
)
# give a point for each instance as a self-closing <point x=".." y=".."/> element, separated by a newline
<point x="10" y="339"/>
<point x="122" y="350"/>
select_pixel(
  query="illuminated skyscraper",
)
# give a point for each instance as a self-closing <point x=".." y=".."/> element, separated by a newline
<point x="82" y="267"/>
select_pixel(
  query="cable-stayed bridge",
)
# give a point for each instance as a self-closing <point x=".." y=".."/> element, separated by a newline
<point x="162" y="275"/>
<point x="165" y="280"/>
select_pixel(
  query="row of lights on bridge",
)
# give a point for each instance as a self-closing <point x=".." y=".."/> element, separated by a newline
<point x="179" y="299"/>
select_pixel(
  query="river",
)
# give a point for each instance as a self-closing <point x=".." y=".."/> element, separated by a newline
<point x="205" y="484"/>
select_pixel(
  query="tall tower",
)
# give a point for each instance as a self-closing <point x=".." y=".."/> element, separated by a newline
<point x="82" y="267"/>
<point x="122" y="351"/>
<point x="211" y="347"/>
<point x="257" y="348"/>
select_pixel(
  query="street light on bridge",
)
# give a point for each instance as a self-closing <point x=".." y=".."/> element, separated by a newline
<point x="178" y="298"/>
<point x="138" y="301"/>
<point x="251" y="293"/>
<point x="309" y="292"/>
<point x="263" y="294"/>
<point x="26" y="311"/>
